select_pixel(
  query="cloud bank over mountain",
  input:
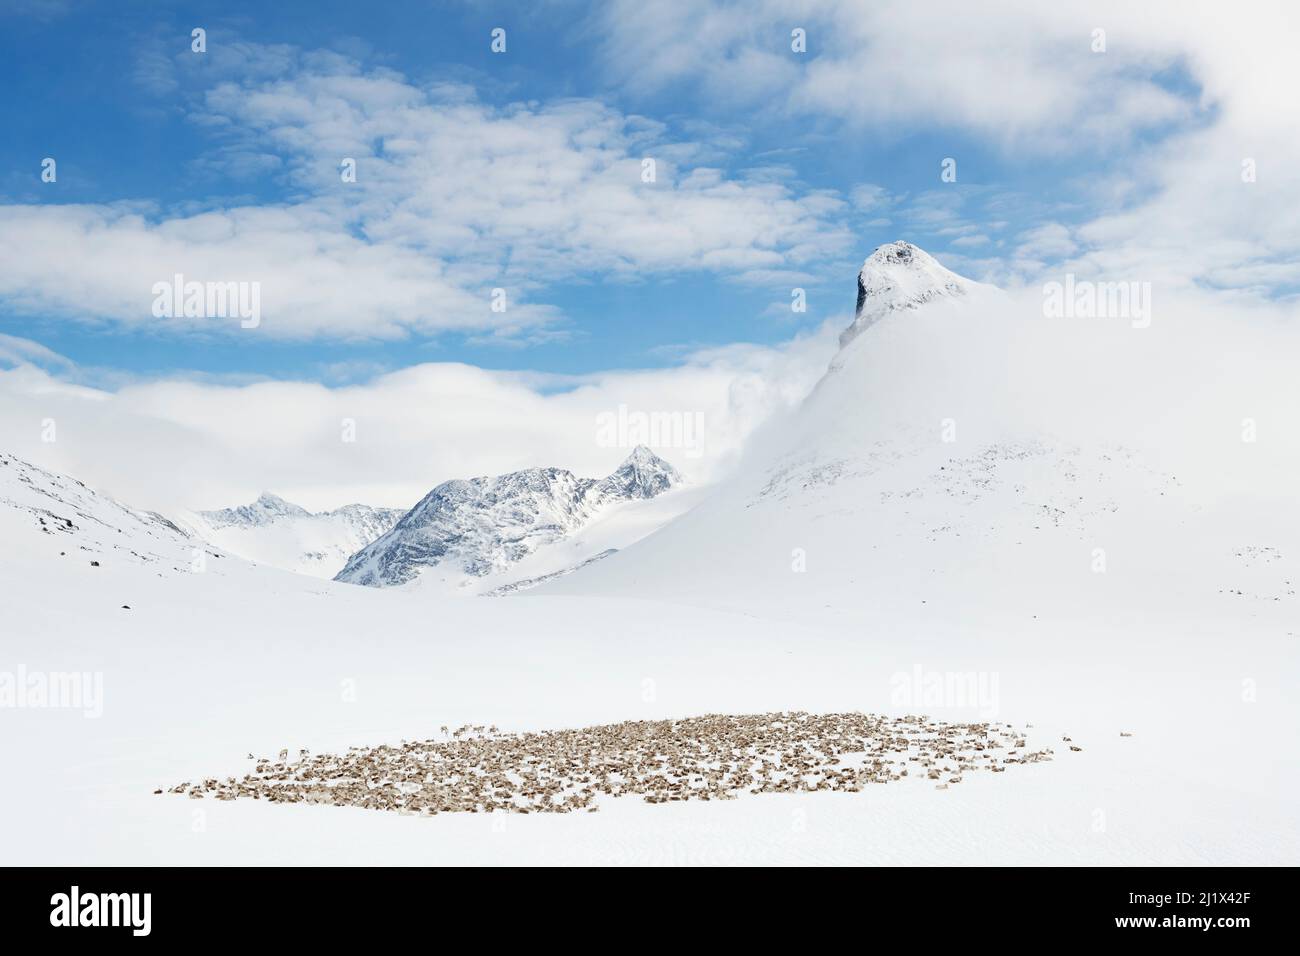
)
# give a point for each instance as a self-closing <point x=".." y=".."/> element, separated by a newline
<point x="198" y="443"/>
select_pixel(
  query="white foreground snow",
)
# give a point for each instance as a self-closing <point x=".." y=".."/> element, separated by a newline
<point x="205" y="668"/>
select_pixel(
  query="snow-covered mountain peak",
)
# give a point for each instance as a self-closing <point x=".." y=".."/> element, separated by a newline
<point x="961" y="447"/>
<point x="268" y="500"/>
<point x="479" y="527"/>
<point x="643" y="474"/>
<point x="265" y="510"/>
<point x="642" y="454"/>
<point x="899" y="275"/>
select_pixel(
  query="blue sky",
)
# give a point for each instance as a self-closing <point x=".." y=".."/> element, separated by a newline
<point x="112" y="91"/>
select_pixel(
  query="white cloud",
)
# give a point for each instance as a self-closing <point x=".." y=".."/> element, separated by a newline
<point x="18" y="351"/>
<point x="453" y="198"/>
<point x="102" y="262"/>
<point x="1181" y="96"/>
<point x="868" y="197"/>
<point x="1022" y="74"/>
<point x="1050" y="240"/>
<point x="177" y="443"/>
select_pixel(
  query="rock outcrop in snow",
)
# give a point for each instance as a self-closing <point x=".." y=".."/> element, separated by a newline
<point x="483" y="526"/>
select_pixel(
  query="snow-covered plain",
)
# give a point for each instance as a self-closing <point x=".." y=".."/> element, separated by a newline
<point x="858" y="560"/>
<point x="204" y="669"/>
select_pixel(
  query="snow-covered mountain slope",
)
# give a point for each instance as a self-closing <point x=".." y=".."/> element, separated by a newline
<point x="49" y="517"/>
<point x="483" y="533"/>
<point x="964" y="455"/>
<point x="284" y="535"/>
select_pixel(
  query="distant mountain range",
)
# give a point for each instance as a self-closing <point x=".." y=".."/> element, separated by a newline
<point x="282" y="534"/>
<point x="474" y="531"/>
<point x="481" y="528"/>
<point x="927" y="464"/>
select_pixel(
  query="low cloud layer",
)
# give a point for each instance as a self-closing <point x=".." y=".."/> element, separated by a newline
<point x="179" y="443"/>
